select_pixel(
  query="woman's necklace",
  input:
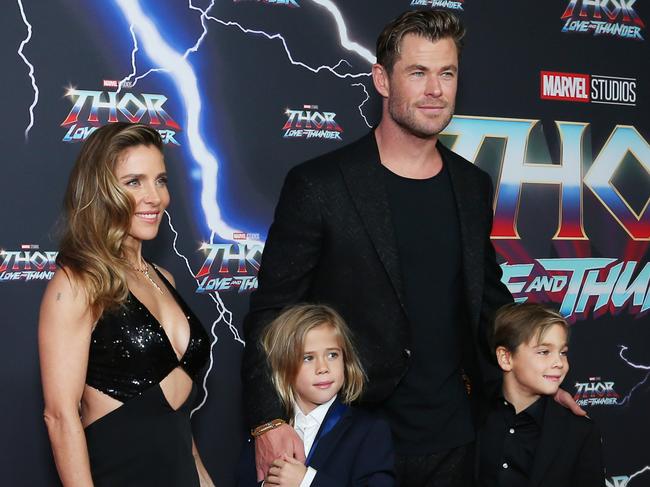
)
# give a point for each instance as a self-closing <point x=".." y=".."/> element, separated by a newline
<point x="145" y="271"/>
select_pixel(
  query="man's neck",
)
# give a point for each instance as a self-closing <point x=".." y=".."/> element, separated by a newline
<point x="517" y="396"/>
<point x="405" y="154"/>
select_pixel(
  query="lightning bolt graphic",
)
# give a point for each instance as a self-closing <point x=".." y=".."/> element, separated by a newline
<point x="363" y="102"/>
<point x="353" y="46"/>
<point x="134" y="69"/>
<point x="30" y="67"/>
<point x="640" y="472"/>
<point x="204" y="14"/>
<point x="192" y="49"/>
<point x="331" y="69"/>
<point x="184" y="78"/>
<point x="343" y="32"/>
<point x="623" y="348"/>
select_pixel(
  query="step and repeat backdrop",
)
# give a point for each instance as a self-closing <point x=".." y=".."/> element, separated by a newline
<point x="553" y="103"/>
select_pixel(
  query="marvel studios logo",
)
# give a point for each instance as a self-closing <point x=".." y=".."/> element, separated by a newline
<point x="586" y="88"/>
<point x="113" y="83"/>
<point x="245" y="236"/>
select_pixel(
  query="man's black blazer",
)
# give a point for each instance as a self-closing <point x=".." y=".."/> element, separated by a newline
<point x="569" y="453"/>
<point x="332" y="242"/>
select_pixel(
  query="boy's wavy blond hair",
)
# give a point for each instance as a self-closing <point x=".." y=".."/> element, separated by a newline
<point x="283" y="342"/>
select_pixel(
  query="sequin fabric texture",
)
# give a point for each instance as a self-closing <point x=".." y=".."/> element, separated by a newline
<point x="130" y="352"/>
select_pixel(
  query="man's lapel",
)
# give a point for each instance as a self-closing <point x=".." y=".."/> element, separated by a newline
<point x="550" y="444"/>
<point x="471" y="222"/>
<point x="363" y="176"/>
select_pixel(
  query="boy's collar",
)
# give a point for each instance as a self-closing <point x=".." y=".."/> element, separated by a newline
<point x="534" y="410"/>
<point x="318" y="413"/>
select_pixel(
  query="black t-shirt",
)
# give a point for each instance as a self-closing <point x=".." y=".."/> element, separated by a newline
<point x="429" y="410"/>
<point x="508" y="443"/>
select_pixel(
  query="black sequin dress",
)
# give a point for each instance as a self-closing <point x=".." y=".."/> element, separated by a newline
<point x="144" y="442"/>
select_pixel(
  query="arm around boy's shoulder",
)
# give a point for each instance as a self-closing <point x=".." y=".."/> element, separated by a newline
<point x="365" y="451"/>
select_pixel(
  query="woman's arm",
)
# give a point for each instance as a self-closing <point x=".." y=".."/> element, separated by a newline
<point x="204" y="476"/>
<point x="64" y="329"/>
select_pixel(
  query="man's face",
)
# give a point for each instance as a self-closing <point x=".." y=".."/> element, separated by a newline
<point x="422" y="86"/>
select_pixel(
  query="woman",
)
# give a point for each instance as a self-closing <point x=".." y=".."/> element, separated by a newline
<point x="120" y="351"/>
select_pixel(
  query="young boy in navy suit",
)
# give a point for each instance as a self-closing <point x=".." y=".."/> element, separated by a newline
<point x="527" y="439"/>
<point x="317" y="374"/>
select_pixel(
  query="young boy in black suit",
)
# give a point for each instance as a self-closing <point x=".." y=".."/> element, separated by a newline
<point x="526" y="438"/>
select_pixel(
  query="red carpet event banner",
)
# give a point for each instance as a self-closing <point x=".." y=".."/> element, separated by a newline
<point x="552" y="103"/>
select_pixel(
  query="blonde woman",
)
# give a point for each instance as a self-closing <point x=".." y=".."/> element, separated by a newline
<point x="120" y="350"/>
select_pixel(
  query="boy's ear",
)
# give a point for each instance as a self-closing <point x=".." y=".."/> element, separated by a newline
<point x="504" y="357"/>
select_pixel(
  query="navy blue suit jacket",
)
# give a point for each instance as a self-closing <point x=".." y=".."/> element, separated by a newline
<point x="358" y="451"/>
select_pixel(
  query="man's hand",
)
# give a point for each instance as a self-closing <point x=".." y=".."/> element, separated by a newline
<point x="273" y="444"/>
<point x="286" y="472"/>
<point x="565" y="399"/>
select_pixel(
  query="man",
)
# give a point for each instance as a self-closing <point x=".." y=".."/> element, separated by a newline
<point x="393" y="231"/>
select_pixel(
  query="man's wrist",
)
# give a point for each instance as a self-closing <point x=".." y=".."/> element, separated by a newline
<point x="266" y="427"/>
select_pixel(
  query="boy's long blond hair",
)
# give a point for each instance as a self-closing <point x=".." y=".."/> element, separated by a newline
<point x="283" y="342"/>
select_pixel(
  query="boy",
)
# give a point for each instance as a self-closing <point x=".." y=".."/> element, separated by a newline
<point x="519" y="442"/>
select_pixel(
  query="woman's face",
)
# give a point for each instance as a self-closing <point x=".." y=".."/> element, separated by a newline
<point x="141" y="172"/>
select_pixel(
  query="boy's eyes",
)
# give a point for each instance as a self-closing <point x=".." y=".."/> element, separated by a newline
<point x="330" y="355"/>
<point x="564" y="353"/>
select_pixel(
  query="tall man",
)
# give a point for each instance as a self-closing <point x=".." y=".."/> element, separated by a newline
<point x="394" y="232"/>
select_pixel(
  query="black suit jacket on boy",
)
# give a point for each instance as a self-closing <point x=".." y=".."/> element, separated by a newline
<point x="332" y="241"/>
<point x="569" y="452"/>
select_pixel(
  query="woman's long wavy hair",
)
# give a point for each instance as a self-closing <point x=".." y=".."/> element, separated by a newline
<point x="98" y="212"/>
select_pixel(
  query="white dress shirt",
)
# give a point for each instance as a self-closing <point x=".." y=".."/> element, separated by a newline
<point x="307" y="427"/>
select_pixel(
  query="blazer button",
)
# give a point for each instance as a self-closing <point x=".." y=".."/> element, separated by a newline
<point x="407" y="353"/>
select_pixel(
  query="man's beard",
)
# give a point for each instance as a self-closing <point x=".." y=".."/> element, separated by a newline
<point x="408" y="120"/>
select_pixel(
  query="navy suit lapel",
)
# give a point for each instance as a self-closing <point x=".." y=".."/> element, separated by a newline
<point x="329" y="441"/>
<point x="550" y="444"/>
<point x="363" y="176"/>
